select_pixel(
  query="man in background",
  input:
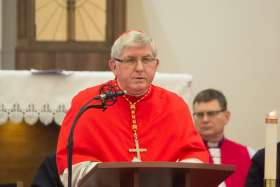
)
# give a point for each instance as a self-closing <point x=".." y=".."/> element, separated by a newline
<point x="255" y="176"/>
<point x="211" y="115"/>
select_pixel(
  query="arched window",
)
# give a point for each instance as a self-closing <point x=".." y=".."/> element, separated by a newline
<point x="67" y="34"/>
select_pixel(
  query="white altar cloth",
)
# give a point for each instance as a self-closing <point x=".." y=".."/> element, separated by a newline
<point x="45" y="96"/>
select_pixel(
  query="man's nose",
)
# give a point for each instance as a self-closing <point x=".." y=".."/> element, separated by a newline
<point x="139" y="65"/>
<point x="205" y="118"/>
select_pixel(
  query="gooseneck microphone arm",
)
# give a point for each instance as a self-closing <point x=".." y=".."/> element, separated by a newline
<point x="71" y="137"/>
<point x="104" y="98"/>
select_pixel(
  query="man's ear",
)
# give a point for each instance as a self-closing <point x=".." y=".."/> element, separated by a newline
<point x="112" y="64"/>
<point x="157" y="63"/>
<point x="227" y="116"/>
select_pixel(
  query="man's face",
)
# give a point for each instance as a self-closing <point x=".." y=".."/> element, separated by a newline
<point x="210" y="120"/>
<point x="136" y="71"/>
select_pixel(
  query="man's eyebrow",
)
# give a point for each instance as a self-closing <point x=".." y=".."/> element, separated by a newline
<point x="148" y="55"/>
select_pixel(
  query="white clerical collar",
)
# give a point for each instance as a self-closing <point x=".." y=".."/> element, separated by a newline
<point x="213" y="144"/>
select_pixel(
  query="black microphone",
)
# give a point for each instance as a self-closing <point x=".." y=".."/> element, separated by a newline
<point x="110" y="94"/>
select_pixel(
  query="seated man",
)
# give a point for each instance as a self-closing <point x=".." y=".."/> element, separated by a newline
<point x="255" y="176"/>
<point x="47" y="175"/>
<point x="210" y="116"/>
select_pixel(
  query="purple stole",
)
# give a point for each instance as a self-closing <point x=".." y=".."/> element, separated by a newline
<point x="237" y="155"/>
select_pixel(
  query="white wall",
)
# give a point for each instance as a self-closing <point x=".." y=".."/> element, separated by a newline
<point x="0" y="34"/>
<point x="230" y="45"/>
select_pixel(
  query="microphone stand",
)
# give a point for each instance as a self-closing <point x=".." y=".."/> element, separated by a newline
<point x="84" y="108"/>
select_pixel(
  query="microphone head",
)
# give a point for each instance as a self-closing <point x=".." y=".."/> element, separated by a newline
<point x="120" y="92"/>
<point x="109" y="93"/>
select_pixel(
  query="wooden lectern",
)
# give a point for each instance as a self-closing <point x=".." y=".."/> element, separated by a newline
<point x="156" y="174"/>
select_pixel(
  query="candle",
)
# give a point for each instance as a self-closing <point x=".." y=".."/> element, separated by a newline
<point x="270" y="145"/>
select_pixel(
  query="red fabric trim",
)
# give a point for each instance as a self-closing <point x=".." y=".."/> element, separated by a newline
<point x="237" y="155"/>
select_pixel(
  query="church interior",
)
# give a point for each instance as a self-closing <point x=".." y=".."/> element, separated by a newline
<point x="232" y="46"/>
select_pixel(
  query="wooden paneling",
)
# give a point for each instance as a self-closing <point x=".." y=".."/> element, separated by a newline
<point x="72" y="60"/>
<point x="23" y="148"/>
<point x="69" y="55"/>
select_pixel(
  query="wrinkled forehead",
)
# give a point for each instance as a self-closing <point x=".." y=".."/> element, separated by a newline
<point x="137" y="50"/>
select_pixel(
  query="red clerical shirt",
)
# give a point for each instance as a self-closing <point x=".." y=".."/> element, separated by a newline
<point x="164" y="127"/>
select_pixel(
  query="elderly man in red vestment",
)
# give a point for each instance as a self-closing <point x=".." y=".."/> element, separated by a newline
<point x="211" y="115"/>
<point x="148" y="123"/>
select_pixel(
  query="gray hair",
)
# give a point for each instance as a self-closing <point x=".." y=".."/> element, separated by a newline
<point x="132" y="39"/>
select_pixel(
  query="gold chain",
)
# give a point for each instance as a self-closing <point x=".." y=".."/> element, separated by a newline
<point x="133" y="110"/>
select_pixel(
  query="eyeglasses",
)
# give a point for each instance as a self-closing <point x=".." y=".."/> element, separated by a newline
<point x="210" y="114"/>
<point x="134" y="60"/>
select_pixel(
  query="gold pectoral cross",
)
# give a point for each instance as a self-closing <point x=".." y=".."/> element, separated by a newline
<point x="137" y="149"/>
